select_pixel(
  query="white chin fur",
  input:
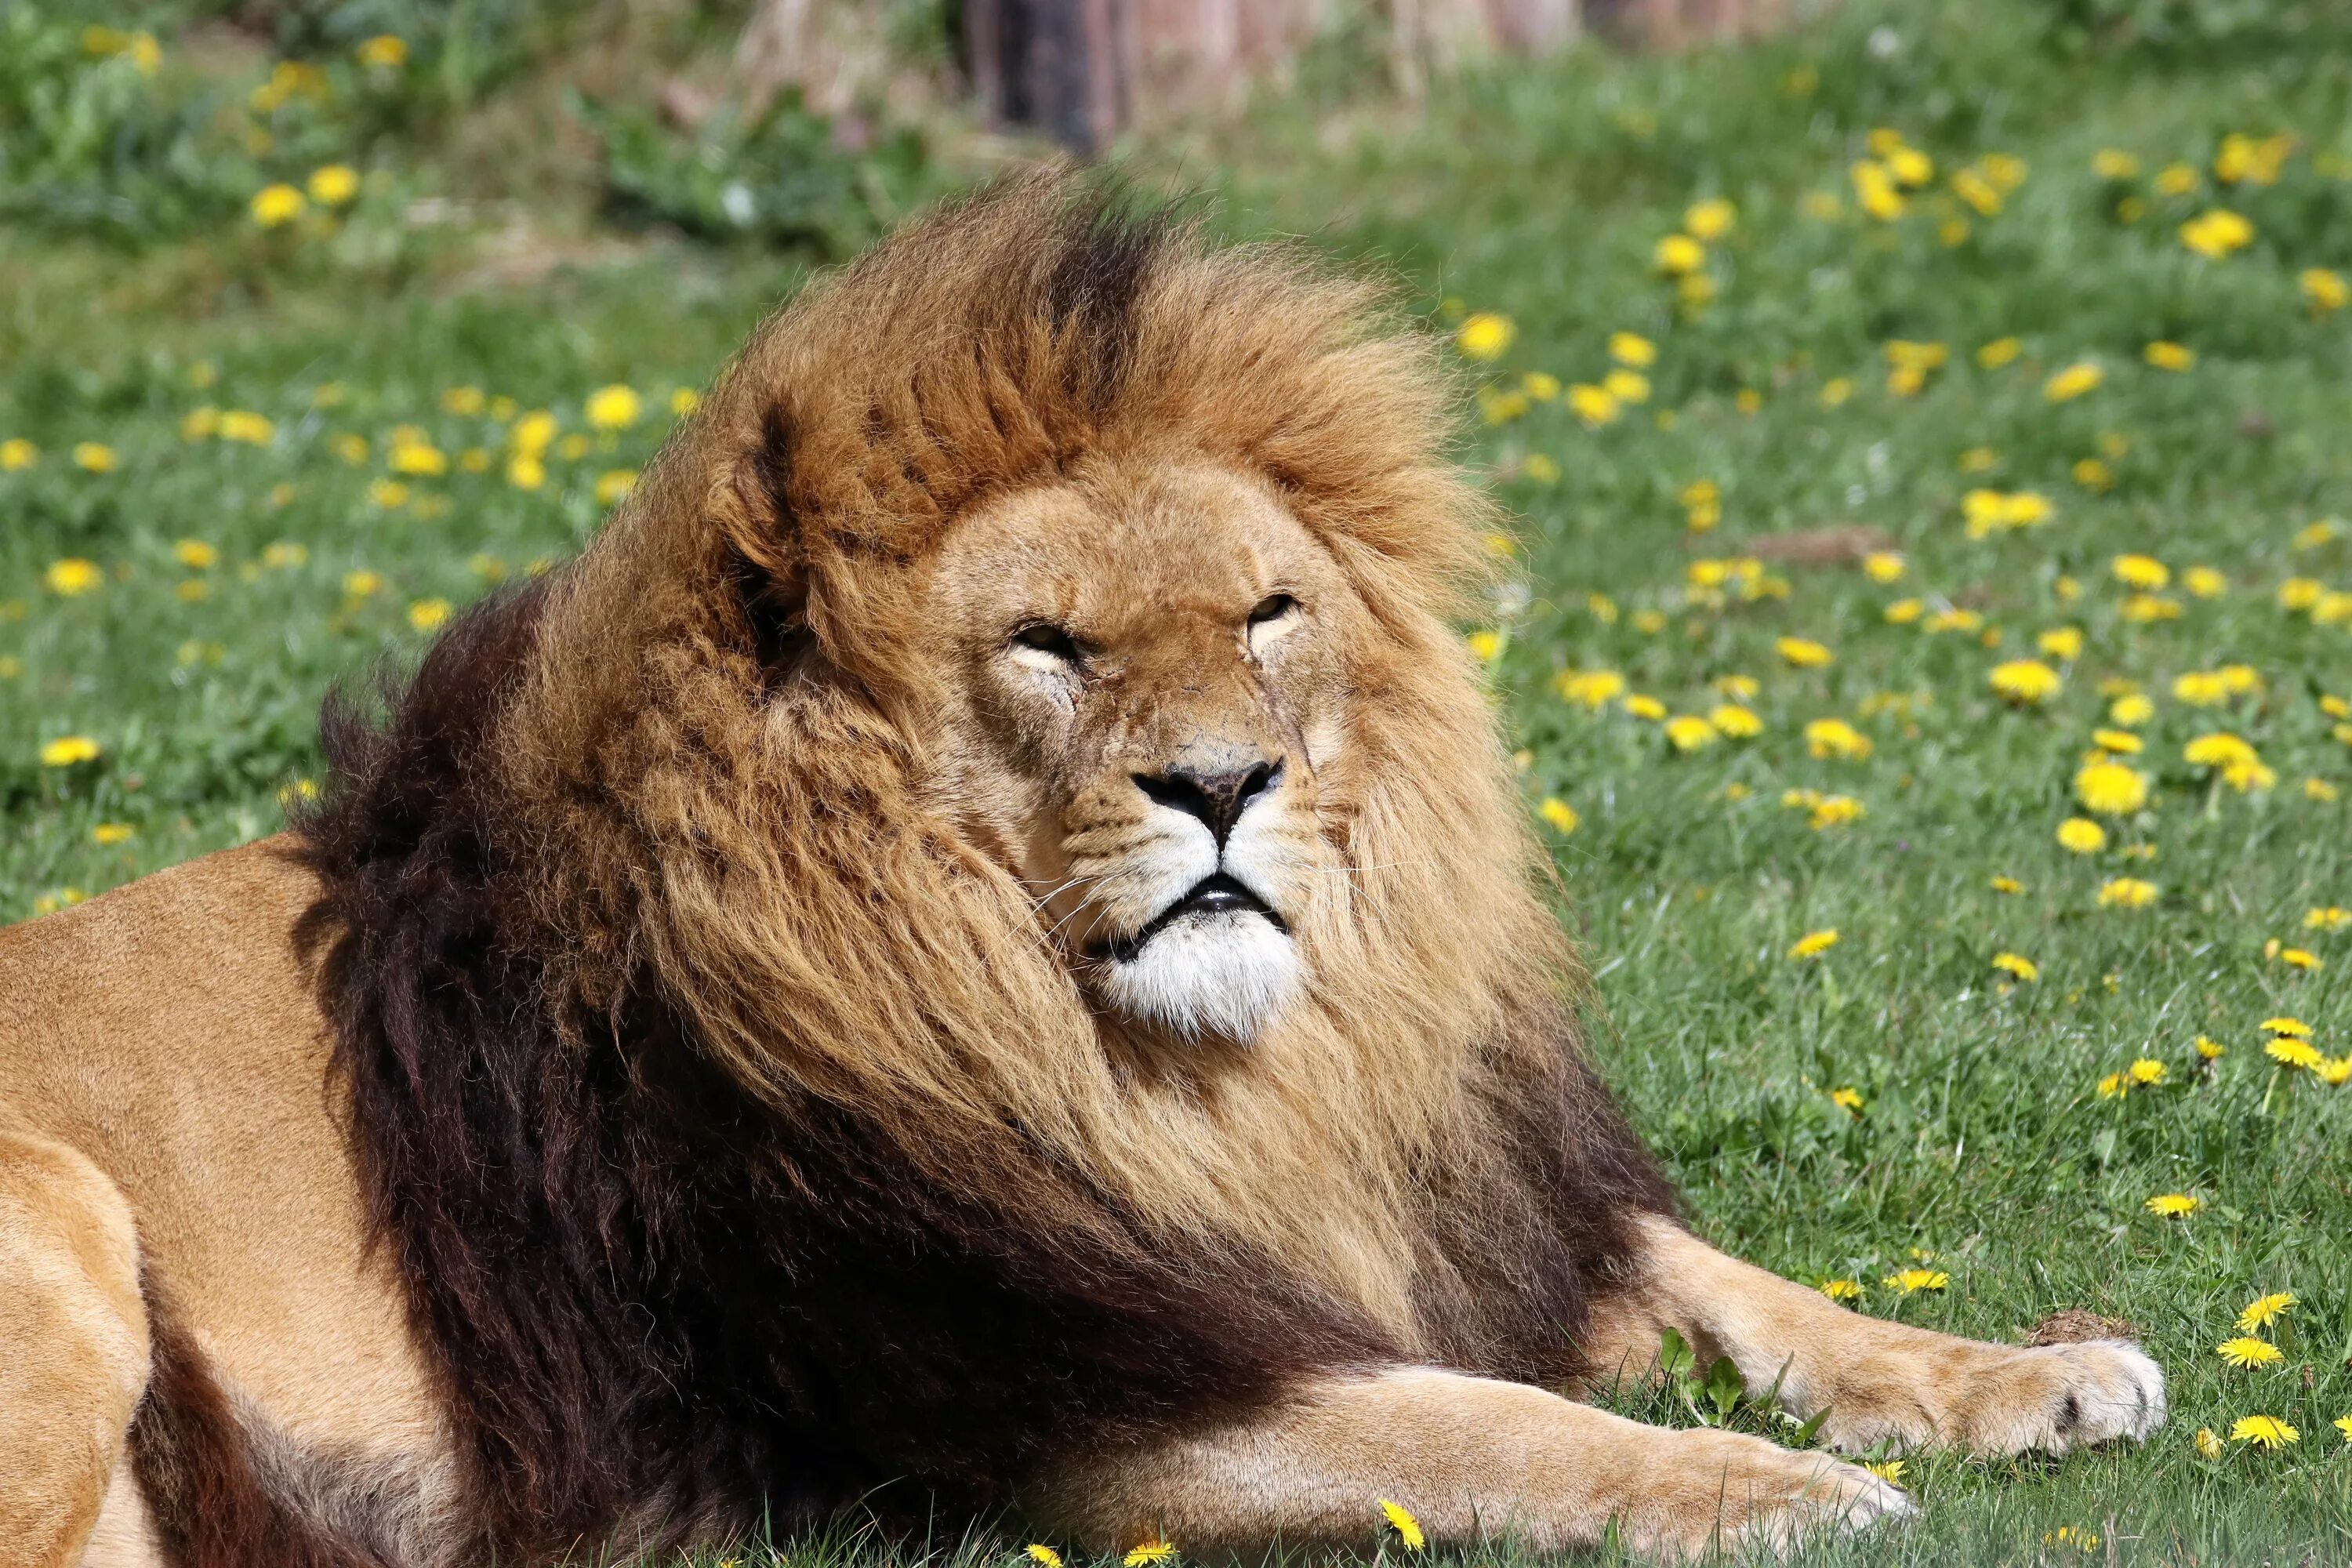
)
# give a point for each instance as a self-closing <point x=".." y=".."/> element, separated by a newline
<point x="1224" y="974"/>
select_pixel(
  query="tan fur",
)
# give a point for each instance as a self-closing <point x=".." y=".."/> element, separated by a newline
<point x="874" y="876"/>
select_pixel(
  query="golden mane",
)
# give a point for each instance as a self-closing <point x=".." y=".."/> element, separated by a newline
<point x="761" y="843"/>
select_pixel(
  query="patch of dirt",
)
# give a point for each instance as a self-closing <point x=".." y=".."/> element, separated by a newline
<point x="2072" y="1325"/>
<point x="1840" y="544"/>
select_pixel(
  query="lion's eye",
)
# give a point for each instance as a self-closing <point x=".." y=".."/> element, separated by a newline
<point x="1273" y="618"/>
<point x="1043" y="646"/>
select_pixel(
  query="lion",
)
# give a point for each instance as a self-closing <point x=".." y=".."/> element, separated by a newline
<point x="980" y="939"/>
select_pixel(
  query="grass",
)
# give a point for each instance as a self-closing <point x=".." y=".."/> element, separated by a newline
<point x="1538" y="193"/>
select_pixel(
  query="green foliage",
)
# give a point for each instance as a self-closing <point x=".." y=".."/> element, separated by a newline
<point x="782" y="177"/>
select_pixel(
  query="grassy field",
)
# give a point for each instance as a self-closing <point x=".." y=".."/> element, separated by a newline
<point x="1891" y="551"/>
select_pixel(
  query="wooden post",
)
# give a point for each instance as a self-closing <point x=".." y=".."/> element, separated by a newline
<point x="1054" y="64"/>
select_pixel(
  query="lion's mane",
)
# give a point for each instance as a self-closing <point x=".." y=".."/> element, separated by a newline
<point x="737" y="1136"/>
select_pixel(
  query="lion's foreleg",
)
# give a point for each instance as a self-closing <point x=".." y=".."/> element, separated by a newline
<point x="1880" y="1382"/>
<point x="1466" y="1456"/>
<point x="73" y="1347"/>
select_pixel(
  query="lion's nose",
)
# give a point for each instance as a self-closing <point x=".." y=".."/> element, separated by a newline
<point x="1218" y="798"/>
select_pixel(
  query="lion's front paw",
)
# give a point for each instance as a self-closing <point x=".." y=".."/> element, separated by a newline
<point x="1997" y="1399"/>
<point x="1718" y="1492"/>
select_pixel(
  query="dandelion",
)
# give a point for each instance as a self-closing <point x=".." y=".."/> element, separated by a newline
<point x="2082" y="836"/>
<point x="2208" y="1447"/>
<point x="2246" y="1350"/>
<point x="2265" y="1310"/>
<point x="334" y="185"/>
<point x="1400" y="1520"/>
<point x="1643" y="707"/>
<point x="1593" y="404"/>
<point x="2294" y="1028"/>
<point x="1043" y="1557"/>
<point x="2131" y="710"/>
<point x="2264" y="1432"/>
<point x="1146" y="1554"/>
<point x="1710" y="219"/>
<point x="1591" y="688"/>
<point x="2024" y="681"/>
<point x="1803" y="653"/>
<point x="2325" y="288"/>
<point x="1483" y="336"/>
<point x="2332" y="917"/>
<point x="2209" y="1050"/>
<point x="2300" y="958"/>
<point x="2169" y="356"/>
<point x="110" y="834"/>
<point x="274" y="206"/>
<point x="1841" y="1289"/>
<point x="1679" y="256"/>
<point x="2343" y="1424"/>
<point x="2174" y="1206"/>
<point x="424" y="615"/>
<point x="72" y="577"/>
<point x="1559" y="814"/>
<point x="2017" y="967"/>
<point x="2128" y="893"/>
<point x="2148" y="1072"/>
<point x="1909" y="1280"/>
<point x="1814" y="943"/>
<point x="385" y="51"/>
<point x="1835" y="738"/>
<point x="1732" y="720"/>
<point x="2073" y="382"/>
<point x="2122" y="742"/>
<point x="17" y="454"/>
<point x="2111" y="789"/>
<point x="2217" y="232"/>
<point x="2007" y="885"/>
<point x="1689" y="733"/>
<point x="2144" y="573"/>
<point x="1633" y="348"/>
<point x="614" y="407"/>
<point x="2205" y="582"/>
<point x="93" y="456"/>
<point x="2060" y="642"/>
<point x="1626" y="387"/>
<point x="66" y="751"/>
<point x="1995" y="354"/>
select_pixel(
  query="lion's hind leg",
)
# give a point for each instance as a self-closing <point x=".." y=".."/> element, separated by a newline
<point x="73" y="1347"/>
<point x="1880" y="1382"/>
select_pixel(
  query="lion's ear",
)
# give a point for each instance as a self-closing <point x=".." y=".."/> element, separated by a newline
<point x="766" y="564"/>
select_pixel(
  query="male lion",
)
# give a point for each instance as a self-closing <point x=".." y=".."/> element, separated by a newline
<point x="981" y="934"/>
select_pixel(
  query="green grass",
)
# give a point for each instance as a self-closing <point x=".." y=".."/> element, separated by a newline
<point x="1539" y="193"/>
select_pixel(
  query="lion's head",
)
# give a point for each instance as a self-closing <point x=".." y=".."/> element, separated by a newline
<point x="1022" y="708"/>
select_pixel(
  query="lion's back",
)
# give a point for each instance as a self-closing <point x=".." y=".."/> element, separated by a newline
<point x="168" y="1032"/>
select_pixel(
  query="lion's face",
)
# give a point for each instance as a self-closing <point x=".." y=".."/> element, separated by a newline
<point x="1149" y="691"/>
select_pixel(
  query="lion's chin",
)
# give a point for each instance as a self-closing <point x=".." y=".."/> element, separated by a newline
<point x="1226" y="975"/>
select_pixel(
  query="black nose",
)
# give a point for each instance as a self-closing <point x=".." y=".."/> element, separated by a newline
<point x="1218" y="799"/>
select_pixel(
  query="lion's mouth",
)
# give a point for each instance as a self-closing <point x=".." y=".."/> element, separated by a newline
<point x="1215" y="895"/>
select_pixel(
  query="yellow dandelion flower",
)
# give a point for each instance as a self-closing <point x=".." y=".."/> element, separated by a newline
<point x="1626" y="387"/>
<point x="2301" y="958"/>
<point x="1737" y="722"/>
<point x="2290" y="1052"/>
<point x="2343" y="1424"/>
<point x="2111" y="789"/>
<point x="2208" y="1447"/>
<point x="2082" y="836"/>
<point x="112" y="833"/>
<point x="1909" y="1280"/>
<point x="614" y="407"/>
<point x="2217" y="232"/>
<point x="1710" y="219"/>
<point x="2208" y="1048"/>
<point x="2073" y="382"/>
<point x="2025" y="682"/>
<point x="72" y="577"/>
<point x="2325" y="288"/>
<point x="1835" y="738"/>
<point x="1485" y="336"/>
<point x="2265" y="1310"/>
<point x="93" y="456"/>
<point x="614" y="485"/>
<point x="2293" y="1027"/>
<point x="2007" y="885"/>
<point x="424" y="615"/>
<point x="1804" y="653"/>
<point x="1043" y="1557"/>
<point x="2264" y="1432"/>
<point x="2174" y="1206"/>
<point x="1678" y="255"/>
<point x="1841" y="1289"/>
<point x="2148" y="1072"/>
<point x="1814" y="943"/>
<point x="66" y="751"/>
<point x="1884" y="566"/>
<point x="2205" y="582"/>
<point x="1633" y="348"/>
<point x="1590" y="689"/>
<point x="2128" y="893"/>
<point x="2327" y="917"/>
<point x="1593" y="404"/>
<point x="1847" y="1099"/>
<point x="2121" y="741"/>
<point x="1689" y="733"/>
<point x="385" y="51"/>
<point x="2018" y="966"/>
<point x="1149" y="1552"/>
<point x="2170" y="356"/>
<point x="1559" y="814"/>
<point x="274" y="206"/>
<point x="17" y="454"/>
<point x="2144" y="573"/>
<point x="334" y="185"/>
<point x="2131" y="710"/>
<point x="1400" y="1520"/>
